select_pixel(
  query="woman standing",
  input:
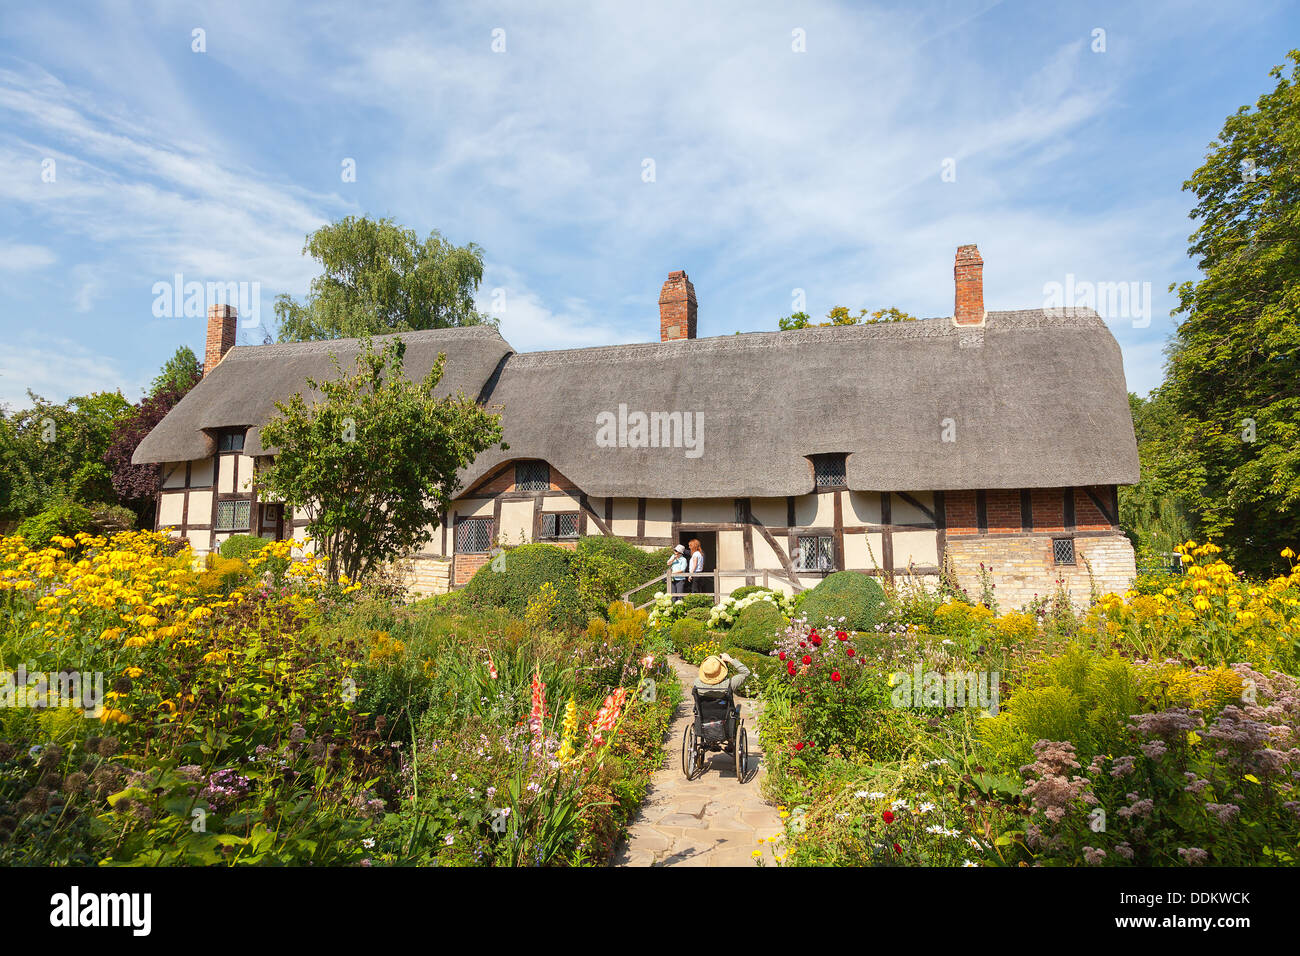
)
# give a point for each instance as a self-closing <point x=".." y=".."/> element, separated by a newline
<point x="696" y="567"/>
<point x="677" y="566"/>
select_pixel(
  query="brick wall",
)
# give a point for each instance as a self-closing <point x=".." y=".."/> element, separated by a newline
<point x="1048" y="508"/>
<point x="959" y="507"/>
<point x="466" y="565"/>
<point x="1086" y="514"/>
<point x="1023" y="567"/>
<point x="1002" y="507"/>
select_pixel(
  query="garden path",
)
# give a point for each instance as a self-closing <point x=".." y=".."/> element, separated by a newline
<point x="712" y="820"/>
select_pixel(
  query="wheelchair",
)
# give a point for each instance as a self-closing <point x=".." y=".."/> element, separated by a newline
<point x="717" y="727"/>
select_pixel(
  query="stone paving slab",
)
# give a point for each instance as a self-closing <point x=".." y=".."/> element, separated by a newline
<point x="713" y="820"/>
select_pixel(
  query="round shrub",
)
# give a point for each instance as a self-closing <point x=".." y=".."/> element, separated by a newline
<point x="852" y="595"/>
<point x="242" y="546"/>
<point x="747" y="590"/>
<point x="686" y="632"/>
<point x="701" y="614"/>
<point x="757" y="627"/>
<point x="606" y="567"/>
<point x="527" y="568"/>
<point x="692" y="601"/>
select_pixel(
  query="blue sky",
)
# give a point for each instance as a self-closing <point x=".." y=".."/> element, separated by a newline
<point x="774" y="170"/>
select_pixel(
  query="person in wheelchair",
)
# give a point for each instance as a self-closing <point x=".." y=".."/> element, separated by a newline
<point x="716" y="724"/>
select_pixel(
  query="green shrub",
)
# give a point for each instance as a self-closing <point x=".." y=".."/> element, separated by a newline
<point x="526" y="569"/>
<point x="852" y="595"/>
<point x="692" y="601"/>
<point x="606" y="568"/>
<point x="686" y="632"/>
<point x="64" y="517"/>
<point x="701" y="614"/>
<point x="763" y="669"/>
<point x="748" y="589"/>
<point x="757" y="627"/>
<point x="242" y="546"/>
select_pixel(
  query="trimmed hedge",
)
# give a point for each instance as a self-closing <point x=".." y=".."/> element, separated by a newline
<point x="527" y="568"/>
<point x="701" y="614"/>
<point x="757" y="627"/>
<point x="693" y="601"/>
<point x="748" y="589"/>
<point x="855" y="596"/>
<point x="242" y="546"/>
<point x="606" y="567"/>
<point x="686" y="632"/>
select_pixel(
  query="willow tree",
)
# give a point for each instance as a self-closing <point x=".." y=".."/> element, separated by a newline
<point x="373" y="461"/>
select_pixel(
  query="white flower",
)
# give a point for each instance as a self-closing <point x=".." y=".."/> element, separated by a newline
<point x="926" y="807"/>
<point x="368" y="843"/>
<point x="449" y="840"/>
<point x="968" y="863"/>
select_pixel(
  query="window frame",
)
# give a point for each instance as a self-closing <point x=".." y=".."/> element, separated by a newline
<point x="230" y="435"/>
<point x="828" y="550"/>
<point x="1056" y="556"/>
<point x="460" y="524"/>
<point x="236" y="528"/>
<point x="556" y="535"/>
<point x="843" y="483"/>
<point x="535" y="483"/>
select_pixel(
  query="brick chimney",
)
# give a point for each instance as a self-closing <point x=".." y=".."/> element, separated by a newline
<point x="677" y="308"/>
<point x="221" y="335"/>
<point x="968" y="271"/>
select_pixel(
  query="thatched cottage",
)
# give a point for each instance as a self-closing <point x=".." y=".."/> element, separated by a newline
<point x="997" y="438"/>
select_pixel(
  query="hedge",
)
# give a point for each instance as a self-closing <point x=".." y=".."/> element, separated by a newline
<point x="855" y="596"/>
<point x="242" y="546"/>
<point x="757" y="627"/>
<point x="526" y="569"/>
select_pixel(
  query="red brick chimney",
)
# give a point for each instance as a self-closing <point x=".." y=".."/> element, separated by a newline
<point x="677" y="308"/>
<point x="968" y="271"/>
<point x="221" y="335"/>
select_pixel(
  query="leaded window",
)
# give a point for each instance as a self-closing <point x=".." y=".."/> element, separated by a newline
<point x="532" y="476"/>
<point x="233" y="515"/>
<point x="1063" y="550"/>
<point x="816" y="553"/>
<point x="560" y="525"/>
<point x="829" y="471"/>
<point x="230" y="441"/>
<point x="474" y="536"/>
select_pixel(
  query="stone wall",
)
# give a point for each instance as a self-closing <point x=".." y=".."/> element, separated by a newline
<point x="1023" y="567"/>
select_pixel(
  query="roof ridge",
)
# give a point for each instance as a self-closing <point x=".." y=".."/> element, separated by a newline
<point x="317" y="346"/>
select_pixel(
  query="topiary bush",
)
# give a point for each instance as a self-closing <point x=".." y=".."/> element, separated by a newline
<point x="605" y="568"/>
<point x="242" y="546"/>
<point x="526" y="569"/>
<point x="701" y="614"/>
<point x="748" y="589"/>
<point x="692" y="601"/>
<point x="852" y="595"/>
<point x="757" y="627"/>
<point x="686" y="632"/>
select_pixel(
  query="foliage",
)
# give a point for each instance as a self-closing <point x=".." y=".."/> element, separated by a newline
<point x="757" y="627"/>
<point x="52" y="451"/>
<point x="139" y="483"/>
<point x="1230" y="449"/>
<point x="178" y="374"/>
<point x="521" y="575"/>
<point x="62" y="518"/>
<point x="849" y="599"/>
<point x="607" y="567"/>
<point x="725" y="614"/>
<point x="378" y="277"/>
<point x="687" y="632"/>
<point x="346" y="460"/>
<point x="242" y="546"/>
<point x="840" y="315"/>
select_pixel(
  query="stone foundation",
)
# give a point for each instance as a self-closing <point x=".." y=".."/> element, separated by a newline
<point x="1023" y="567"/>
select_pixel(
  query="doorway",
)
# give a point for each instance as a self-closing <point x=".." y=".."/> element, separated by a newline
<point x="709" y="545"/>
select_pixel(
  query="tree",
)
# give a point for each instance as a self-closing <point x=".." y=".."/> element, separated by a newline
<point x="840" y="315"/>
<point x="53" y="451"/>
<point x="379" y="277"/>
<point x="1153" y="513"/>
<point x="374" y="460"/>
<point x="1233" y="366"/>
<point x="179" y="373"/>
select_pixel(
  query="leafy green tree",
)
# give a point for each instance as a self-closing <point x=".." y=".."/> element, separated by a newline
<point x="378" y="278"/>
<point x="179" y="373"/>
<point x="374" y="460"/>
<point x="55" y="451"/>
<point x="1153" y="513"/>
<point x="1233" y="370"/>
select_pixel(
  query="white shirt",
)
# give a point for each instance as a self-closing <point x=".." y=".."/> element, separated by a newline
<point x="697" y="562"/>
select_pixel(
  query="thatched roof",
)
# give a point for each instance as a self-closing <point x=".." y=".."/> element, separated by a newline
<point x="243" y="389"/>
<point x="1036" y="399"/>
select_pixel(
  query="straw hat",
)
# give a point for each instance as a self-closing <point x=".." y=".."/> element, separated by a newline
<point x="680" y="549"/>
<point x="713" y="671"/>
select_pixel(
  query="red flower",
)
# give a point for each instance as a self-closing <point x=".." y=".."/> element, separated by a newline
<point x="807" y="659"/>
<point x="841" y="635"/>
<point x="850" y="651"/>
<point x="812" y="634"/>
<point x="887" y="816"/>
<point x="835" y="676"/>
<point x="790" y="667"/>
<point x="803" y="643"/>
<point x="781" y="655"/>
<point x="898" y="849"/>
<point x="817" y="641"/>
<point x="799" y="745"/>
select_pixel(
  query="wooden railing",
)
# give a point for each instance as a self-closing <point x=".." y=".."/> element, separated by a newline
<point x="716" y="576"/>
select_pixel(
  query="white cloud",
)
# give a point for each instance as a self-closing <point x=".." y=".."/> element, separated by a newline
<point x="21" y="257"/>
<point x="57" y="369"/>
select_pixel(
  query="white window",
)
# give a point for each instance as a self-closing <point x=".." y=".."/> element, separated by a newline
<point x="233" y="515"/>
<point x="816" y="553"/>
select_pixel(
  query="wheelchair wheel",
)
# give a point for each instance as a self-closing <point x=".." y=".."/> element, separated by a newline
<point x="742" y="754"/>
<point x="690" y="752"/>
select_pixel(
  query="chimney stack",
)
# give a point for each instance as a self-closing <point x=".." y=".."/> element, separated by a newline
<point x="968" y="272"/>
<point x="677" y="308"/>
<point x="221" y="335"/>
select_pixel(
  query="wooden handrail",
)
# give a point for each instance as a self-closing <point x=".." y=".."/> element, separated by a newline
<point x="716" y="575"/>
